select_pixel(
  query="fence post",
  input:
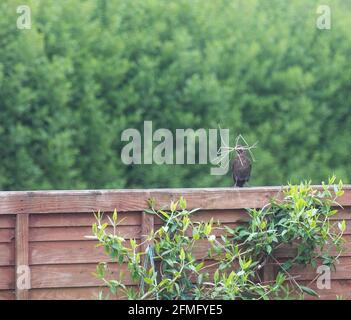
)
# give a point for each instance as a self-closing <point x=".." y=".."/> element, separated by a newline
<point x="147" y="226"/>
<point x="22" y="273"/>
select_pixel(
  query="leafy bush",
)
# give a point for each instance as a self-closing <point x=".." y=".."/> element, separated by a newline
<point x="89" y="69"/>
<point x="232" y="267"/>
<point x="300" y="221"/>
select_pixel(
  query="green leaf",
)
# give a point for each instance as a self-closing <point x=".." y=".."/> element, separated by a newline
<point x="182" y="254"/>
<point x="133" y="243"/>
<point x="208" y="228"/>
<point x="199" y="266"/>
<point x="263" y="224"/>
<point x="230" y="277"/>
<point x="149" y="211"/>
<point x="287" y="265"/>
<point x="103" y="226"/>
<point x="182" y="203"/>
<point x="165" y="214"/>
<point x="196" y="235"/>
<point x="216" y="276"/>
<point x="309" y="291"/>
<point x="268" y="248"/>
<point x="246" y="265"/>
<point x="173" y="206"/>
<point x="342" y="226"/>
<point x="280" y="279"/>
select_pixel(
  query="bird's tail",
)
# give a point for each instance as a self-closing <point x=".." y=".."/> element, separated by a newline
<point x="239" y="184"/>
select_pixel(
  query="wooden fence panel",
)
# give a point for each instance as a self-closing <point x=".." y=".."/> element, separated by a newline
<point x="47" y="230"/>
<point x="7" y="257"/>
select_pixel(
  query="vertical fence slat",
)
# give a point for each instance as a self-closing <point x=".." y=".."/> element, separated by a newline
<point x="147" y="225"/>
<point x="22" y="253"/>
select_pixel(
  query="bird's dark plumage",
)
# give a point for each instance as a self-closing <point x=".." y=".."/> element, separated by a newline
<point x="241" y="168"/>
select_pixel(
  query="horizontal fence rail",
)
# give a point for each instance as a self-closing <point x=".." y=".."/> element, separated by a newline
<point x="45" y="232"/>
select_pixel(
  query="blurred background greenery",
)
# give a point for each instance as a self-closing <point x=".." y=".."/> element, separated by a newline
<point x="89" y="69"/>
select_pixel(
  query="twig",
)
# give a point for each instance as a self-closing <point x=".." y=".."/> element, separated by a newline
<point x="240" y="143"/>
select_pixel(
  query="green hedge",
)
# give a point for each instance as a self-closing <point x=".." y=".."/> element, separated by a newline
<point x="89" y="69"/>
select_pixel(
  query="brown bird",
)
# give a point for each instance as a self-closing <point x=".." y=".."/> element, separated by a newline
<point x="241" y="167"/>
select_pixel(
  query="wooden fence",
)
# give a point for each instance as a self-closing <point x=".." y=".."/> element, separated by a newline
<point x="46" y="231"/>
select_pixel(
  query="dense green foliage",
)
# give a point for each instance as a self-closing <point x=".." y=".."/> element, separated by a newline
<point x="174" y="268"/>
<point x="89" y="69"/>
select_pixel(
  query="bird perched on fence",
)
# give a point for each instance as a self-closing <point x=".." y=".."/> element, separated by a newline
<point x="241" y="167"/>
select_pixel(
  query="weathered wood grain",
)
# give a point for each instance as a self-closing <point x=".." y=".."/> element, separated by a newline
<point x="81" y="275"/>
<point x="66" y="252"/>
<point x="7" y="278"/>
<point x="77" y="233"/>
<point x="7" y="254"/>
<point x="14" y="202"/>
<point x="75" y="275"/>
<point x="7" y="295"/>
<point x="81" y="293"/>
<point x="7" y="221"/>
<point x="21" y="251"/>
<point x="80" y="219"/>
<point x="7" y="235"/>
